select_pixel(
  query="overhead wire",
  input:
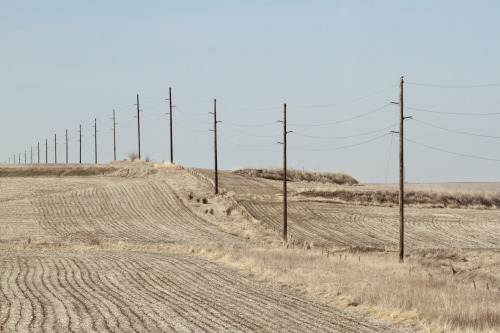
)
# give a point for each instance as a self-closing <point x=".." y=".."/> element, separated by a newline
<point x="451" y="152"/>
<point x="341" y="137"/>
<point x="341" y="121"/>
<point x="454" y="131"/>
<point x="454" y="113"/>
<point x="249" y="134"/>
<point x="487" y="85"/>
<point x="342" y="147"/>
<point x="249" y="146"/>
<point x="343" y="102"/>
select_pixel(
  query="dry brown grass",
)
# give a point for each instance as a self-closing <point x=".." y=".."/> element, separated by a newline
<point x="296" y="175"/>
<point x="456" y="199"/>
<point x="423" y="293"/>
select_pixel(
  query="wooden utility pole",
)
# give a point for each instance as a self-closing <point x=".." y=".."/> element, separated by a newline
<point x="19" y="158"/>
<point x="38" y="152"/>
<point x="95" y="138"/>
<point x="66" y="146"/>
<point x="401" y="175"/>
<point x="31" y="154"/>
<point x="46" y="151"/>
<point x="114" y="136"/>
<point x="171" y="143"/>
<point x="55" y="148"/>
<point x="215" y="148"/>
<point x="138" y="127"/>
<point x="80" y="143"/>
<point x="285" y="237"/>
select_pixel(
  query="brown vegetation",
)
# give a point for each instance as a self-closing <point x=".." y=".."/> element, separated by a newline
<point x="296" y="175"/>
<point x="412" y="198"/>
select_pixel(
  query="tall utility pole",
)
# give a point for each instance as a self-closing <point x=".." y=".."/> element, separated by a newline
<point x="171" y="143"/>
<point x="401" y="175"/>
<point x="284" y="177"/>
<point x="138" y="127"/>
<point x="66" y="146"/>
<point x="55" y="148"/>
<point x="38" y="152"/>
<point x="46" y="151"/>
<point x="114" y="136"/>
<point x="80" y="140"/>
<point x="95" y="138"/>
<point x="215" y="148"/>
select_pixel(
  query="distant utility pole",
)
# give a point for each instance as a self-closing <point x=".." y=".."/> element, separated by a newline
<point x="38" y="152"/>
<point x="55" y="148"/>
<point x="114" y="136"/>
<point x="46" y="151"/>
<point x="138" y="127"/>
<point x="95" y="138"/>
<point x="285" y="220"/>
<point x="66" y="146"/>
<point x="401" y="174"/>
<point x="171" y="136"/>
<point x="19" y="159"/>
<point x="80" y="140"/>
<point x="215" y="148"/>
<point x="31" y="160"/>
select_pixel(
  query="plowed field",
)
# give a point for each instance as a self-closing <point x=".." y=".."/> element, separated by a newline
<point x="57" y="276"/>
<point x="339" y="224"/>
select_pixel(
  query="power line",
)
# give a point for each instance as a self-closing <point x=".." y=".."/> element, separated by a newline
<point x="254" y="125"/>
<point x="455" y="86"/>
<point x="454" y="113"/>
<point x="251" y="109"/>
<point x="343" y="121"/>
<point x="248" y="146"/>
<point x="343" y="147"/>
<point x="346" y="101"/>
<point x="451" y="152"/>
<point x="343" y="137"/>
<point x="249" y="134"/>
<point x="459" y="132"/>
<point x="189" y="129"/>
<point x="191" y="113"/>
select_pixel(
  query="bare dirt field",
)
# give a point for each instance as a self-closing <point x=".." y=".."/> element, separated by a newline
<point x="134" y="247"/>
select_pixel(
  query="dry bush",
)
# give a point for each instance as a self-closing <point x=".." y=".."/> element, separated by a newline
<point x="132" y="156"/>
<point x="296" y="175"/>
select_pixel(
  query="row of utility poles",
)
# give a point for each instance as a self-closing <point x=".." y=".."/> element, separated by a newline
<point x="285" y="133"/>
<point x="95" y="138"/>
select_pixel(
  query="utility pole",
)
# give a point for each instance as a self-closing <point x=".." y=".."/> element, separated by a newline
<point x="285" y="220"/>
<point x="114" y="136"/>
<point x="138" y="127"/>
<point x="66" y="146"/>
<point x="401" y="174"/>
<point x="80" y="140"/>
<point x="171" y="143"/>
<point x="215" y="148"/>
<point x="95" y="138"/>
<point x="19" y="158"/>
<point x="46" y="151"/>
<point x="38" y="152"/>
<point x="55" y="148"/>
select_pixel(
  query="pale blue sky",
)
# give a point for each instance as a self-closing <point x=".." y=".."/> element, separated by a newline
<point x="64" y="63"/>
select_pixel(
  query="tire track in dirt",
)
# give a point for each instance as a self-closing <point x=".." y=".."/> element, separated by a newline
<point x="110" y="291"/>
